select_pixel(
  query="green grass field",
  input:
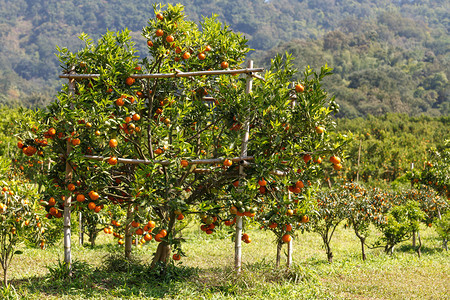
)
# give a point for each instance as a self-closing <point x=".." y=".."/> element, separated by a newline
<point x="207" y="271"/>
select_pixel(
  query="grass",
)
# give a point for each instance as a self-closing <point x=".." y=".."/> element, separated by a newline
<point x="207" y="272"/>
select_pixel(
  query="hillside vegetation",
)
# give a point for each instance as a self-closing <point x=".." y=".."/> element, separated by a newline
<point x="390" y="56"/>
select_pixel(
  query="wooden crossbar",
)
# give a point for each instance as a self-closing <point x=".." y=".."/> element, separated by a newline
<point x="170" y="75"/>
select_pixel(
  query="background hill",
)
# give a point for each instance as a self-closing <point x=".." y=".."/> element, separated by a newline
<point x="389" y="56"/>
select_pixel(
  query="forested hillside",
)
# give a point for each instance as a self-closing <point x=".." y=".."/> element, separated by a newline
<point x="389" y="56"/>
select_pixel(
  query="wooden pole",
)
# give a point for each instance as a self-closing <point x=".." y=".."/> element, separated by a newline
<point x="169" y="75"/>
<point x="68" y="200"/>
<point x="359" y="160"/>
<point x="289" y="254"/>
<point x="237" y="240"/>
<point x="81" y="234"/>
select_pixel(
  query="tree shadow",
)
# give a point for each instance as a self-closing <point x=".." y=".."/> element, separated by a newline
<point x="125" y="281"/>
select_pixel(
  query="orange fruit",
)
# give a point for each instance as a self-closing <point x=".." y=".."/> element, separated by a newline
<point x="51" y="131"/>
<point x="224" y="65"/>
<point x="286" y="238"/>
<point x="184" y="163"/>
<point x="91" y="205"/>
<point x="80" y="198"/>
<point x="150" y="43"/>
<point x="305" y="219"/>
<point x="148" y="237"/>
<point x="129" y="80"/>
<point x="335" y="160"/>
<point x="76" y="141"/>
<point x="320" y="129"/>
<point x="176" y="256"/>
<point x="159" y="32"/>
<point x="136" y="117"/>
<point x="151" y="224"/>
<point x="139" y="231"/>
<point x="201" y="56"/>
<point x="71" y="187"/>
<point x="97" y="209"/>
<point x="208" y="48"/>
<point x="170" y="38"/>
<point x="159" y="16"/>
<point x="158" y="237"/>
<point x="163" y="232"/>
<point x="51" y="201"/>
<point x="262" y="182"/>
<point x="306" y="158"/>
<point x="112" y="160"/>
<point x="93" y="195"/>
<point x="186" y="55"/>
<point x="227" y="163"/>
<point x="120" y="102"/>
<point x="113" y="143"/>
<point x="180" y="217"/>
<point x="299" y="88"/>
<point x="299" y="184"/>
<point x="337" y="167"/>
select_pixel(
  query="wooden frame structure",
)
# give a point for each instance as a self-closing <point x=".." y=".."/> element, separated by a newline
<point x="250" y="72"/>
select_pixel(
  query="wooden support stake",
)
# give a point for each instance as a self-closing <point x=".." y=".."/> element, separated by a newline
<point x="169" y="75"/>
<point x="68" y="200"/>
<point x="289" y="254"/>
<point x="237" y="241"/>
<point x="81" y="234"/>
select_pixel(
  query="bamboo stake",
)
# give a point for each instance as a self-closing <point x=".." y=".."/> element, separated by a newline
<point x="81" y="234"/>
<point x="237" y="240"/>
<point x="170" y="75"/>
<point x="68" y="200"/>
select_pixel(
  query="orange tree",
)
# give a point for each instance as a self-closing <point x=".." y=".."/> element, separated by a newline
<point x="20" y="219"/>
<point x="134" y="141"/>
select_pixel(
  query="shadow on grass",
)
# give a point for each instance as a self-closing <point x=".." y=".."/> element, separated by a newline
<point x="116" y="277"/>
<point x="424" y="250"/>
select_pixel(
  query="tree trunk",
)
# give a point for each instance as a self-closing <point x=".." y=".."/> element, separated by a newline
<point x="5" y="277"/>
<point x="92" y="237"/>
<point x="363" y="252"/>
<point x="414" y="239"/>
<point x="419" y="253"/>
<point x="162" y="254"/>
<point x="279" y="246"/>
<point x="128" y="235"/>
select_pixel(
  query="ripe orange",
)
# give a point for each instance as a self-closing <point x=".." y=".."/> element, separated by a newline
<point x="186" y="55"/>
<point x="233" y="210"/>
<point x="262" y="182"/>
<point x="299" y="184"/>
<point x="20" y="144"/>
<point x="80" y="198"/>
<point x="151" y="224"/>
<point x="208" y="48"/>
<point x="273" y="225"/>
<point x="71" y="187"/>
<point x="91" y="205"/>
<point x="170" y="38"/>
<point x="148" y="237"/>
<point x="176" y="256"/>
<point x="136" y="117"/>
<point x="97" y="209"/>
<point x="335" y="160"/>
<point x="51" y="131"/>
<point x="320" y="129"/>
<point x="224" y="65"/>
<point x="76" y="141"/>
<point x="184" y="163"/>
<point x="159" y="32"/>
<point x="163" y="232"/>
<point x="139" y="231"/>
<point x="97" y="133"/>
<point x="286" y="238"/>
<point x="112" y="160"/>
<point x="120" y="102"/>
<point x="227" y="163"/>
<point x="150" y="43"/>
<point x="129" y="80"/>
<point x="51" y="201"/>
<point x="299" y="88"/>
<point x="305" y="219"/>
<point x="180" y="217"/>
<point x="135" y="224"/>
<point x="158" y="237"/>
<point x="306" y="158"/>
<point x="337" y="167"/>
<point x="288" y="227"/>
<point x="93" y="195"/>
<point x="113" y="143"/>
<point x="159" y="16"/>
<point x="201" y="56"/>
